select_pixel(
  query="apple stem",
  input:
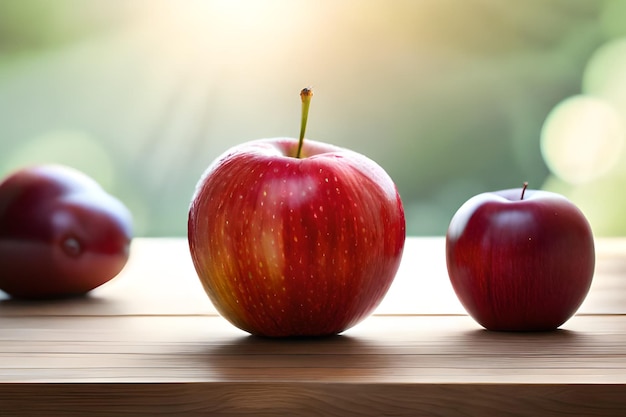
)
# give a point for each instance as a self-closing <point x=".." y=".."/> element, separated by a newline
<point x="306" y="95"/>
<point x="524" y="189"/>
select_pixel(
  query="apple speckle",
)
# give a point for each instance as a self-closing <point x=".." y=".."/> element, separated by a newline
<point x="304" y="235"/>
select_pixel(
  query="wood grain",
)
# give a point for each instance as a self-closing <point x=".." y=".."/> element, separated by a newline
<point x="406" y="349"/>
<point x="150" y="343"/>
<point x="313" y="399"/>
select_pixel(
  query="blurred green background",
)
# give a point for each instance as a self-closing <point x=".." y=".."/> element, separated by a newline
<point x="451" y="97"/>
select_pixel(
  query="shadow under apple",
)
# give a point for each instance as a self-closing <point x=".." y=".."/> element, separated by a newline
<point x="307" y="359"/>
<point x="559" y="342"/>
<point x="80" y="304"/>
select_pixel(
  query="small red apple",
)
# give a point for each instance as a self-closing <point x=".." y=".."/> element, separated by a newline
<point x="61" y="234"/>
<point x="295" y="238"/>
<point x="520" y="260"/>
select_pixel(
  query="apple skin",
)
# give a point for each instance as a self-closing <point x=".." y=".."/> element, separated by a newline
<point x="289" y="246"/>
<point x="61" y="234"/>
<point x="520" y="264"/>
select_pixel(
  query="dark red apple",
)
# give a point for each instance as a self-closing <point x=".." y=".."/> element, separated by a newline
<point x="295" y="238"/>
<point x="61" y="234"/>
<point x="520" y="260"/>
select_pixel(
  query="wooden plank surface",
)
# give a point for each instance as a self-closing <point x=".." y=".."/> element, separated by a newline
<point x="385" y="349"/>
<point x="150" y="343"/>
<point x="314" y="399"/>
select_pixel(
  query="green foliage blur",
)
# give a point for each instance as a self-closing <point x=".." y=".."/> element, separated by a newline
<point x="449" y="96"/>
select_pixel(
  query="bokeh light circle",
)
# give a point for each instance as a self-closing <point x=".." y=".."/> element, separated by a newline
<point x="605" y="75"/>
<point x="582" y="139"/>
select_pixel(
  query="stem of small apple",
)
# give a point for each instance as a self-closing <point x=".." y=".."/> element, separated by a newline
<point x="306" y="95"/>
<point x="524" y="189"/>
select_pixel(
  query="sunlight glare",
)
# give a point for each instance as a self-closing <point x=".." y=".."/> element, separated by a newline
<point x="220" y="33"/>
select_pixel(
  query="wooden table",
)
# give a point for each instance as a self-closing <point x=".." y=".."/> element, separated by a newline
<point x="150" y="343"/>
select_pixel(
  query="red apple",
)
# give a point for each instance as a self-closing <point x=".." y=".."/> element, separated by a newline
<point x="295" y="238"/>
<point x="61" y="234"/>
<point x="520" y="260"/>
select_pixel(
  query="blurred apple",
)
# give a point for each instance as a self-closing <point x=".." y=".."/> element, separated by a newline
<point x="295" y="238"/>
<point x="520" y="260"/>
<point x="61" y="234"/>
